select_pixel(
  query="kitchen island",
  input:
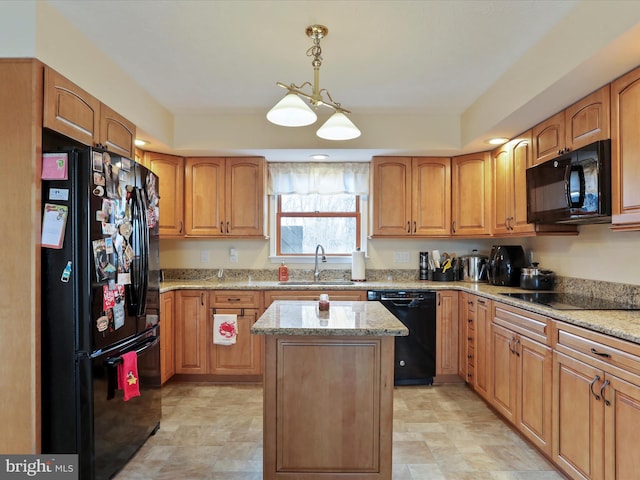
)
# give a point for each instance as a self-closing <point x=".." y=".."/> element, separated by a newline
<point x="328" y="390"/>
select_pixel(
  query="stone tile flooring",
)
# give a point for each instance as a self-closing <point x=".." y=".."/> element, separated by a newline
<point x="440" y="433"/>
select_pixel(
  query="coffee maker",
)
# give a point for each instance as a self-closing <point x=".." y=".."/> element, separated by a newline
<point x="505" y="265"/>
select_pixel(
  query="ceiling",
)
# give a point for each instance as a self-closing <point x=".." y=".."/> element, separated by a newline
<point x="394" y="64"/>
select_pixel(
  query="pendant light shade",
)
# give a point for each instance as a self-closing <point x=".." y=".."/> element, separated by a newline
<point x="291" y="111"/>
<point x="338" y="127"/>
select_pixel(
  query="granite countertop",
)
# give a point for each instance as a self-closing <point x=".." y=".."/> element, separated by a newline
<point x="297" y="317"/>
<point x="621" y="324"/>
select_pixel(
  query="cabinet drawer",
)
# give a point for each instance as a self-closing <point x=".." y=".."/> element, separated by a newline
<point x="598" y="349"/>
<point x="523" y="322"/>
<point x="235" y="298"/>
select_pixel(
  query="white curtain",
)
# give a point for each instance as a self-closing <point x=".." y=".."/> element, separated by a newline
<point x="320" y="178"/>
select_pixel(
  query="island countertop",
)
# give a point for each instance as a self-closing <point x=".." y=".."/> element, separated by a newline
<point x="344" y="318"/>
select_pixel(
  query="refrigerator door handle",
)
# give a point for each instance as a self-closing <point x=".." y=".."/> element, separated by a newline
<point x="113" y="361"/>
<point x="144" y="272"/>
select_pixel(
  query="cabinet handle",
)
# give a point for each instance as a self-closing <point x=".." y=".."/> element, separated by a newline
<point x="227" y="227"/>
<point x="469" y="356"/>
<point x="221" y="227"/>
<point x="470" y="302"/>
<point x="438" y="298"/>
<point x="202" y="299"/>
<point x="414" y="227"/>
<point x="233" y="299"/>
<point x="453" y="226"/>
<point x="600" y="354"/>
<point x="604" y="385"/>
<point x="481" y="302"/>
<point x="515" y="348"/>
<point x="408" y="227"/>
<point x="595" y="395"/>
<point x="180" y="228"/>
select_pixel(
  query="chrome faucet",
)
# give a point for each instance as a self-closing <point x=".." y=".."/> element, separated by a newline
<point x="316" y="272"/>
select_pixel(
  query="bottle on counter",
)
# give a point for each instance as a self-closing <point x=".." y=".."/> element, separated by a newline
<point x="283" y="273"/>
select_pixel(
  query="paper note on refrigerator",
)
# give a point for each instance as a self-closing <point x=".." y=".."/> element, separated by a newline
<point x="54" y="166"/>
<point x="54" y="221"/>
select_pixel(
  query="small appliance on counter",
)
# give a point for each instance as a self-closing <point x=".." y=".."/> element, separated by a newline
<point x="534" y="278"/>
<point x="474" y="267"/>
<point x="505" y="265"/>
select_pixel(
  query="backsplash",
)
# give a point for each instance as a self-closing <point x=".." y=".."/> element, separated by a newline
<point x="592" y="288"/>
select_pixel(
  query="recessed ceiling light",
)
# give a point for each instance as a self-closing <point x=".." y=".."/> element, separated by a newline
<point x="140" y="143"/>
<point x="497" y="141"/>
<point x="319" y="156"/>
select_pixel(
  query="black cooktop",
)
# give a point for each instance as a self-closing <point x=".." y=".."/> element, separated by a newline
<point x="571" y="301"/>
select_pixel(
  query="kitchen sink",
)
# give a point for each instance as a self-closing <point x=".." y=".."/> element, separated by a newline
<point x="311" y="282"/>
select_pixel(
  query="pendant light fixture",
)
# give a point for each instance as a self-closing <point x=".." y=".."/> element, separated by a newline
<point x="293" y="111"/>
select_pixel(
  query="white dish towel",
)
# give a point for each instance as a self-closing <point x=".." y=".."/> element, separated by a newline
<point x="225" y="328"/>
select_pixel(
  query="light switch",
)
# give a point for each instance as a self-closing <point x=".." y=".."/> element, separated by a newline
<point x="233" y="255"/>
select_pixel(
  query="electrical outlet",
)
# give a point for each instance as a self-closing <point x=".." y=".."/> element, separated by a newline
<point x="401" y="257"/>
<point x="233" y="255"/>
<point x="204" y="256"/>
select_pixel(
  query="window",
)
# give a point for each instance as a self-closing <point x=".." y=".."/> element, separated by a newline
<point x="304" y="221"/>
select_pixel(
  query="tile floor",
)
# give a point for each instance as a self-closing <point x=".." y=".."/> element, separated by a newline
<point x="440" y="433"/>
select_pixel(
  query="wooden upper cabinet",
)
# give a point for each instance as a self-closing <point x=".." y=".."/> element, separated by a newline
<point x="411" y="196"/>
<point x="117" y="134"/>
<point x="225" y="196"/>
<point x="509" y="165"/>
<point x="391" y="196"/>
<point x="471" y="194"/>
<point x="431" y="196"/>
<point x="625" y="152"/>
<point x="244" y="197"/>
<point x="588" y="119"/>
<point x="170" y="171"/>
<point x="584" y="122"/>
<point x="549" y="138"/>
<point x="204" y="196"/>
<point x="70" y="110"/>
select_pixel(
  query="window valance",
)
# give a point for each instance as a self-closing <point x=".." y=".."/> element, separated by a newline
<point x="319" y="178"/>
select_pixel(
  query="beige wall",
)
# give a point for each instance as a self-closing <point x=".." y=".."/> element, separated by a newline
<point x="596" y="253"/>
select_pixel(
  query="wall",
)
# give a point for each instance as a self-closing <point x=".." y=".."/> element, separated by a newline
<point x="596" y="254"/>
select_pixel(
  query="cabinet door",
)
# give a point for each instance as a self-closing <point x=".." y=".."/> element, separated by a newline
<point x="191" y="331"/>
<point x="622" y="419"/>
<point x="431" y="196"/>
<point x="167" y="336"/>
<point x="504" y="371"/>
<point x="447" y="333"/>
<point x="534" y="395"/>
<point x="245" y="213"/>
<point x="463" y="333"/>
<point x="482" y="381"/>
<point x="391" y="215"/>
<point x="117" y="133"/>
<point x="170" y="171"/>
<point x="471" y="194"/>
<point x="204" y="196"/>
<point x="587" y="120"/>
<point x="625" y="152"/>
<point x="70" y="110"/>
<point x="548" y="138"/>
<point x="245" y="356"/>
<point x="521" y="159"/>
<point x="578" y="423"/>
<point x="502" y="186"/>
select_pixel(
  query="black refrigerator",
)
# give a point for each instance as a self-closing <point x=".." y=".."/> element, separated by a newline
<point x="100" y="299"/>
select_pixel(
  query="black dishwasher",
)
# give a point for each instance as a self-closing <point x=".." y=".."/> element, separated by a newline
<point x="415" y="354"/>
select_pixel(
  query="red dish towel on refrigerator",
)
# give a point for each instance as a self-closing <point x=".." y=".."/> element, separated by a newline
<point x="128" y="380"/>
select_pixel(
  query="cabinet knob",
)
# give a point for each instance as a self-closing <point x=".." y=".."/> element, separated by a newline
<point x="402" y="363"/>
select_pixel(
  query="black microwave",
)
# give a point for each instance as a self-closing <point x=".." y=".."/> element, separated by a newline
<point x="574" y="188"/>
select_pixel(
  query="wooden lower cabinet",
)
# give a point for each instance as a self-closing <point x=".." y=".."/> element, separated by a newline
<point x="482" y="347"/>
<point x="243" y="357"/>
<point x="596" y="414"/>
<point x="447" y="335"/>
<point x="328" y="407"/>
<point x="191" y="331"/>
<point x="167" y="336"/>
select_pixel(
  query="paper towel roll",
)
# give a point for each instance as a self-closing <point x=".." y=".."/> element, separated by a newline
<point x="357" y="266"/>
